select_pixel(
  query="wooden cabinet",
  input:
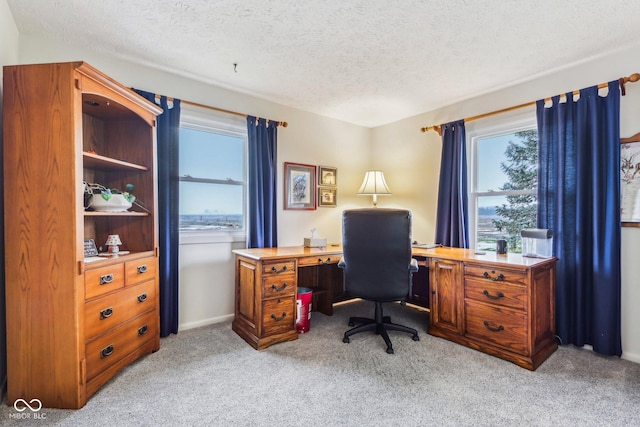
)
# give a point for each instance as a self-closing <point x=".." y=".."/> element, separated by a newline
<point x="72" y="325"/>
<point x="504" y="307"/>
<point x="267" y="282"/>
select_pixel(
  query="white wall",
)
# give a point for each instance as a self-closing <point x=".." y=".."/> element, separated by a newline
<point x="206" y="269"/>
<point x="411" y="159"/>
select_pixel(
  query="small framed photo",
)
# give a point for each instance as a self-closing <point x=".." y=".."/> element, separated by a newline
<point x="327" y="176"/>
<point x="299" y="186"/>
<point x="327" y="197"/>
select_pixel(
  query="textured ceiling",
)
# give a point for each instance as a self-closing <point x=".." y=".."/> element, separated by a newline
<point x="366" y="62"/>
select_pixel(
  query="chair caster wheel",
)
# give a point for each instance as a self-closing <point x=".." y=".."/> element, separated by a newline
<point x="389" y="350"/>
<point x="416" y="337"/>
<point x="346" y="340"/>
<point x="351" y="324"/>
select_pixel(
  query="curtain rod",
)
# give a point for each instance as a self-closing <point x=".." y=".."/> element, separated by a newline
<point x="632" y="78"/>
<point x="222" y="110"/>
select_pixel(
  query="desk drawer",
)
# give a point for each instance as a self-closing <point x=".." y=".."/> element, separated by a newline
<point x="278" y="285"/>
<point x="282" y="267"/>
<point x="278" y="316"/>
<point x="318" y="260"/>
<point x="109" y="349"/>
<point x="101" y="280"/>
<point x="140" y="270"/>
<point x="111" y="310"/>
<point x="498" y="293"/>
<point x="493" y="273"/>
<point x="503" y="327"/>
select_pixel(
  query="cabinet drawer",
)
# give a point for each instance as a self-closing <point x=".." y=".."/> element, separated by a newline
<point x="278" y="316"/>
<point x="278" y="286"/>
<point x="140" y="270"/>
<point x="109" y="349"/>
<point x="499" y="293"/>
<point x="102" y="280"/>
<point x="111" y="310"/>
<point x="503" y="327"/>
<point x="494" y="273"/>
<point x="282" y="267"/>
<point x="319" y="260"/>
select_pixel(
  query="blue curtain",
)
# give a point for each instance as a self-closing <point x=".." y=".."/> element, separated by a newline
<point x="579" y="199"/>
<point x="452" y="220"/>
<point x="263" y="227"/>
<point x="168" y="130"/>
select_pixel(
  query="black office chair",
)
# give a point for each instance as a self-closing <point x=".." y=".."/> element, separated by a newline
<point x="377" y="265"/>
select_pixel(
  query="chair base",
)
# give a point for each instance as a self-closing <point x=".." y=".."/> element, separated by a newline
<point x="379" y="325"/>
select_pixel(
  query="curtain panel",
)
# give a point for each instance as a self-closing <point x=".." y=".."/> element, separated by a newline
<point x="262" y="215"/>
<point x="168" y="131"/>
<point x="452" y="220"/>
<point x="579" y="199"/>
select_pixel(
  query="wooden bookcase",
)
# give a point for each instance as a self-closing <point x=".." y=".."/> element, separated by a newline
<point x="71" y="324"/>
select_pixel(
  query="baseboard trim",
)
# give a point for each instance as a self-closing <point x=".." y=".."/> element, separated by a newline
<point x="205" y="322"/>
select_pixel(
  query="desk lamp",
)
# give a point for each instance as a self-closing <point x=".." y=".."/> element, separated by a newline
<point x="374" y="185"/>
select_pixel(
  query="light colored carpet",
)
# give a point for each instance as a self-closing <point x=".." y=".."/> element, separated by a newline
<point x="210" y="376"/>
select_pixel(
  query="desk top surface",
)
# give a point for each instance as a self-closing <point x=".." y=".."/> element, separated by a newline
<point x="454" y="254"/>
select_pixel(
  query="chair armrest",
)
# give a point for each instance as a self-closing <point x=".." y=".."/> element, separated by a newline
<point x="341" y="263"/>
<point x="414" y="265"/>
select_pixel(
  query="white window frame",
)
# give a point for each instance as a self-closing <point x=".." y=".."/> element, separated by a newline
<point x="524" y="119"/>
<point x="203" y="119"/>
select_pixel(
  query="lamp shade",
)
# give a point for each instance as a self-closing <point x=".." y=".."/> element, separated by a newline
<point x="113" y="239"/>
<point x="374" y="185"/>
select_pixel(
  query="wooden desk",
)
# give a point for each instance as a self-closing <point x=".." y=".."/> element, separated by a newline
<point x="501" y="305"/>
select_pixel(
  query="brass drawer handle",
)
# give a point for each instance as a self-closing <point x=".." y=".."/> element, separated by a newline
<point x="142" y="269"/>
<point x="275" y="269"/>
<point x="143" y="330"/>
<point x="106" y="313"/>
<point x="142" y="298"/>
<point x="488" y="295"/>
<point x="277" y="319"/>
<point x="277" y="289"/>
<point x="499" y="278"/>
<point x="498" y="329"/>
<point x="106" y="279"/>
<point x="321" y="261"/>
<point x="107" y="351"/>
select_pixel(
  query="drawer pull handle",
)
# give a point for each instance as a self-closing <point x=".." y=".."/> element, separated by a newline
<point x="142" y="298"/>
<point x="277" y="289"/>
<point x="498" y="278"/>
<point x="277" y="319"/>
<point x="488" y="295"/>
<point x="143" y="330"/>
<point x="107" y="351"/>
<point x="106" y="313"/>
<point x="142" y="269"/>
<point x="275" y="269"/>
<point x="326" y="261"/>
<point x="106" y="279"/>
<point x="492" y="329"/>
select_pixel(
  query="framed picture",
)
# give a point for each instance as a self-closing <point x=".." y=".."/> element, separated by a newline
<point x="327" y="175"/>
<point x="327" y="197"/>
<point x="630" y="184"/>
<point x="299" y="186"/>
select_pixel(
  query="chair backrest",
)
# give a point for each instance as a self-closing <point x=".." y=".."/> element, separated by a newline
<point x="377" y="253"/>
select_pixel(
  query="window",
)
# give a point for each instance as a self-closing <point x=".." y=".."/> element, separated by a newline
<point x="212" y="172"/>
<point x="503" y="183"/>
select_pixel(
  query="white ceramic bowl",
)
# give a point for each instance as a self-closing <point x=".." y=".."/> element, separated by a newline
<point x="117" y="203"/>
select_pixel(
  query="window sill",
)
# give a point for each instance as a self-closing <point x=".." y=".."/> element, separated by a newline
<point x="204" y="237"/>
